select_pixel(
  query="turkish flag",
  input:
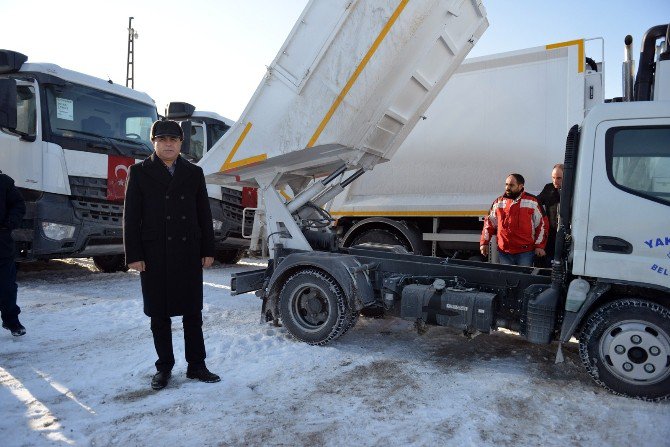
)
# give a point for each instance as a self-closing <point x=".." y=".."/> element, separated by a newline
<point x="249" y="197"/>
<point x="117" y="174"/>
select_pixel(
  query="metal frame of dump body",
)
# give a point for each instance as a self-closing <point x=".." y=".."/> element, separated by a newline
<point x="375" y="277"/>
<point x="364" y="72"/>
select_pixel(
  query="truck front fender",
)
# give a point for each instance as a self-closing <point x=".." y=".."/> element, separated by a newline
<point x="350" y="274"/>
<point x="571" y="320"/>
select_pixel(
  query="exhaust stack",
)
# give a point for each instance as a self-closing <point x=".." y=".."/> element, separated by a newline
<point x="628" y="70"/>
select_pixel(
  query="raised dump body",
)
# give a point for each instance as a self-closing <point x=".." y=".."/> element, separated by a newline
<point x="355" y="74"/>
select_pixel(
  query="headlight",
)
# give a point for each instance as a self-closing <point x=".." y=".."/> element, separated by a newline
<point x="57" y="232"/>
<point x="217" y="224"/>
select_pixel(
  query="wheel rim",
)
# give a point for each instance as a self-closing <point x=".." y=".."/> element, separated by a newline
<point x="636" y="351"/>
<point x="310" y="307"/>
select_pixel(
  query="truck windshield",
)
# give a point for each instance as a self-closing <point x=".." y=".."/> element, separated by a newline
<point x="81" y="112"/>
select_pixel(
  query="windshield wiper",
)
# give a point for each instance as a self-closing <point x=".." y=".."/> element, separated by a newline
<point x="112" y="145"/>
<point x="135" y="142"/>
<point x="90" y="134"/>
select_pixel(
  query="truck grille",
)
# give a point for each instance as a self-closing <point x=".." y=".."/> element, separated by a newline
<point x="89" y="200"/>
<point x="232" y="211"/>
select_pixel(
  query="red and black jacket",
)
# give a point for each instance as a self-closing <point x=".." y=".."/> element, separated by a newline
<point x="520" y="224"/>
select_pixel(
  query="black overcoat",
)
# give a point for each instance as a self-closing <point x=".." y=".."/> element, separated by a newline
<point x="167" y="223"/>
<point x="12" y="209"/>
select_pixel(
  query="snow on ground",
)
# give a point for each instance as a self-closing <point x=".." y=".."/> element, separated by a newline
<point x="81" y="376"/>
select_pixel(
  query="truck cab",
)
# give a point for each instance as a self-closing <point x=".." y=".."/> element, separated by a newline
<point x="67" y="139"/>
<point x="622" y="194"/>
<point x="202" y="130"/>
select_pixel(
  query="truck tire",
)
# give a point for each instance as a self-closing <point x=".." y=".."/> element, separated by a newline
<point x="229" y="256"/>
<point x="110" y="263"/>
<point x="625" y="347"/>
<point x="313" y="307"/>
<point x="353" y="319"/>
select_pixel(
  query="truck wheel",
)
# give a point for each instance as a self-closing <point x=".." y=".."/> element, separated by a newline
<point x="353" y="319"/>
<point x="110" y="263"/>
<point x="625" y="347"/>
<point x="229" y="256"/>
<point x="313" y="307"/>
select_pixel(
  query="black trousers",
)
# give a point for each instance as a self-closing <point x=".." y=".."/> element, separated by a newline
<point x="8" y="308"/>
<point x="549" y="250"/>
<point x="194" y="342"/>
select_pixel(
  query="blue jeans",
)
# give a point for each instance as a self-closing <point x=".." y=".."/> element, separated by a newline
<point x="525" y="259"/>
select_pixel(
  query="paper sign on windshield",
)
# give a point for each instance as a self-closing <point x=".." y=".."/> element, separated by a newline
<point x="64" y="109"/>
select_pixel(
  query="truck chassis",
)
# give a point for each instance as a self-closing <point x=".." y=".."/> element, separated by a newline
<point x="318" y="296"/>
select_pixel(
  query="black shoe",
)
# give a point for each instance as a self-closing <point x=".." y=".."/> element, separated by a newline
<point x="202" y="374"/>
<point x="16" y="329"/>
<point x="160" y="380"/>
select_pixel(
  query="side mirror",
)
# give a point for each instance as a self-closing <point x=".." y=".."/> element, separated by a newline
<point x="8" y="103"/>
<point x="179" y="110"/>
<point x="186" y="144"/>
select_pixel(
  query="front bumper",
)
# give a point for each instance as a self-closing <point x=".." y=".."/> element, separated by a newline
<point x="97" y="227"/>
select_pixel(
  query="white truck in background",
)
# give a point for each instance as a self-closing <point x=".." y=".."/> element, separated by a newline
<point x="202" y="130"/>
<point x="498" y="114"/>
<point x="67" y="140"/>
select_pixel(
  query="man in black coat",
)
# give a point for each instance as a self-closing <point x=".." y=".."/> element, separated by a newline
<point x="168" y="238"/>
<point x="12" y="209"/>
<point x="550" y="198"/>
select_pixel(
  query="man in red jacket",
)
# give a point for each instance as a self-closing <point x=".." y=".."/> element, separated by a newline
<point x="517" y="218"/>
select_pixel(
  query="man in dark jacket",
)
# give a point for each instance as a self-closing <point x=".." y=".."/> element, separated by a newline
<point x="549" y="198"/>
<point x="12" y="209"/>
<point x="168" y="238"/>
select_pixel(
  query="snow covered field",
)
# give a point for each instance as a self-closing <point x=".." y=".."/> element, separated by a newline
<point x="81" y="376"/>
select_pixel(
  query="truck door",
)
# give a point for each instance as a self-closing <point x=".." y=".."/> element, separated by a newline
<point x="628" y="236"/>
<point x="20" y="158"/>
<point x="198" y="143"/>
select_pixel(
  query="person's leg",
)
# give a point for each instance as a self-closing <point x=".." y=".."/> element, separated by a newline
<point x="505" y="258"/>
<point x="8" y="288"/>
<point x="525" y="259"/>
<point x="161" y="328"/>
<point x="195" y="350"/>
<point x="194" y="342"/>
<point x="549" y="250"/>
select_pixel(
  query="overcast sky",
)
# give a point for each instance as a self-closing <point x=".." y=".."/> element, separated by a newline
<point x="213" y="54"/>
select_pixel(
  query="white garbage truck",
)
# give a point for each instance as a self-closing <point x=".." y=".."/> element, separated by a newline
<point x="343" y="94"/>
<point x="498" y="114"/>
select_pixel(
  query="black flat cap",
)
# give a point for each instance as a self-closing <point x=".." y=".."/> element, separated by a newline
<point x="166" y="128"/>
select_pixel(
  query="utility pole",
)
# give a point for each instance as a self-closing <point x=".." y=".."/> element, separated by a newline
<point x="130" y="66"/>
